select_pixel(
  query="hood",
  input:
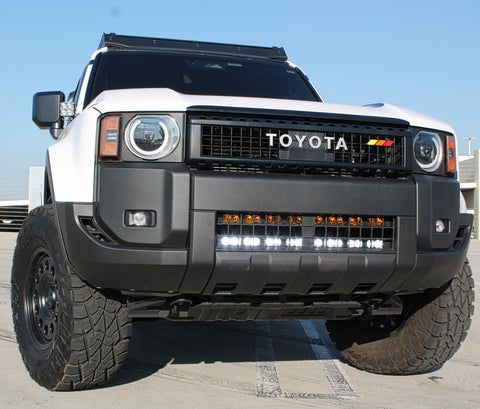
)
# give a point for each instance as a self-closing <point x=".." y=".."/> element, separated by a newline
<point x="167" y="100"/>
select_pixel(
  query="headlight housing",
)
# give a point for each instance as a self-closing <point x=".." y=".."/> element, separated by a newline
<point x="152" y="137"/>
<point x="428" y="150"/>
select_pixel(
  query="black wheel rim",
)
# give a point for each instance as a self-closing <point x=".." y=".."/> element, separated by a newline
<point x="41" y="299"/>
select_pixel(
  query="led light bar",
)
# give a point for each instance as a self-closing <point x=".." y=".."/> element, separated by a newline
<point x="275" y="243"/>
<point x="316" y="232"/>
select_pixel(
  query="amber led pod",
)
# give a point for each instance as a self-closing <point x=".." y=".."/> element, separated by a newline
<point x="375" y="221"/>
<point x="355" y="221"/>
<point x="273" y="219"/>
<point x="332" y="220"/>
<point x="234" y="218"/>
<point x="248" y="219"/>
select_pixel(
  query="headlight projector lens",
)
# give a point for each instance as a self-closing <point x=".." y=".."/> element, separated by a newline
<point x="152" y="136"/>
<point x="428" y="150"/>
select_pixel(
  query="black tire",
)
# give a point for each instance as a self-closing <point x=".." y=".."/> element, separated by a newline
<point x="426" y="336"/>
<point x="70" y="335"/>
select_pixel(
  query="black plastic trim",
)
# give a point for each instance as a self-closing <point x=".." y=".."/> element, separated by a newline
<point x="180" y="258"/>
<point x="113" y="40"/>
<point x="354" y="119"/>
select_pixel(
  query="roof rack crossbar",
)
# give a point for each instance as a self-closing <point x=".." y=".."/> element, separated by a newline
<point x="113" y="41"/>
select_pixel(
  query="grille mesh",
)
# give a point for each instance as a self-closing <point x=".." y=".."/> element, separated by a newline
<point x="238" y="142"/>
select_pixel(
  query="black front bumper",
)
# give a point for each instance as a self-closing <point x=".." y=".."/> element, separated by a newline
<point x="180" y="255"/>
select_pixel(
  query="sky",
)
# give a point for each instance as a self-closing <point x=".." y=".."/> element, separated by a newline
<point x="424" y="55"/>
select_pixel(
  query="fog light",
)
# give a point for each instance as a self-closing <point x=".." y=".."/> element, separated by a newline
<point x="441" y="226"/>
<point x="140" y="218"/>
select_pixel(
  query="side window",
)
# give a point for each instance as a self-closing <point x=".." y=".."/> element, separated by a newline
<point x="73" y="96"/>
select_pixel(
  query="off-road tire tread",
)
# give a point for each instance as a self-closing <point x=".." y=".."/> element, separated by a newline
<point x="94" y="326"/>
<point x="423" y="343"/>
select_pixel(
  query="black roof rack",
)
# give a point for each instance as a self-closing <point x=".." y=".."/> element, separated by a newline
<point x="116" y="41"/>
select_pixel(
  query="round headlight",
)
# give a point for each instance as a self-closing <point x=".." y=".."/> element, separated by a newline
<point x="152" y="136"/>
<point x="428" y="149"/>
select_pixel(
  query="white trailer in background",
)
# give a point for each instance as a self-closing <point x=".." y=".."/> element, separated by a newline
<point x="14" y="212"/>
<point x="35" y="187"/>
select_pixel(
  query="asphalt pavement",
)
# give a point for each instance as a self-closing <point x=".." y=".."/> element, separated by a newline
<point x="240" y="365"/>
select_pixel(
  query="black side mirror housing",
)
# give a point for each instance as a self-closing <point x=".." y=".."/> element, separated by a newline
<point x="46" y="111"/>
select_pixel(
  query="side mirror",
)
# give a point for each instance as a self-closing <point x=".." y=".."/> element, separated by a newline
<point x="46" y="111"/>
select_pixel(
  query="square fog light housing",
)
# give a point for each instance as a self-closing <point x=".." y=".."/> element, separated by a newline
<point x="442" y="226"/>
<point x="140" y="218"/>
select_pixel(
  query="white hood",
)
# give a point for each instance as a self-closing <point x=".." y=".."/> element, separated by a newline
<point x="167" y="100"/>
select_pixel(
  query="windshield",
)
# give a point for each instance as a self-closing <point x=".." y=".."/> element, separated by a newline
<point x="200" y="75"/>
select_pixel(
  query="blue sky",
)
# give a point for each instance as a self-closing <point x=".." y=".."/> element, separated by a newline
<point x="424" y="55"/>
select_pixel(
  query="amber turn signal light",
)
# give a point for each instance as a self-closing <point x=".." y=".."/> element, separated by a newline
<point x="450" y="154"/>
<point x="109" y="137"/>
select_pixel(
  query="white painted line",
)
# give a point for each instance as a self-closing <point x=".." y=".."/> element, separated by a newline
<point x="268" y="385"/>
<point x="4" y="294"/>
<point x="337" y="379"/>
<point x="7" y="336"/>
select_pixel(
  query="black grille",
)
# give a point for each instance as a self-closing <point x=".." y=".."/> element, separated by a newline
<point x="242" y="142"/>
<point x="253" y="143"/>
